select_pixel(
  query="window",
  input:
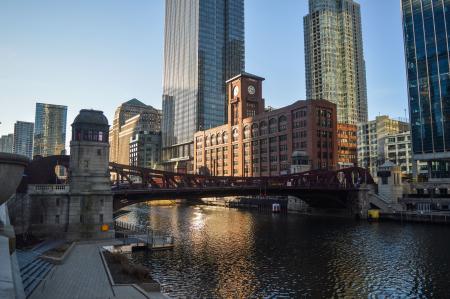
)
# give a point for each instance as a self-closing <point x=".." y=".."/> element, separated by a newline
<point x="247" y="132"/>
<point x="101" y="218"/>
<point x="263" y="128"/>
<point x="282" y="123"/>
<point x="57" y="219"/>
<point x="255" y="130"/>
<point x="272" y="125"/>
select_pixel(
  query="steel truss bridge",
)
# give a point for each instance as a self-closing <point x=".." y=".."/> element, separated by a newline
<point x="319" y="188"/>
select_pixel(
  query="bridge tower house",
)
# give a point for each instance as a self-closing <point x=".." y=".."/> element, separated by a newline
<point x="91" y="201"/>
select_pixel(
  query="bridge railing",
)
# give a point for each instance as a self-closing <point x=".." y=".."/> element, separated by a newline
<point x="48" y="188"/>
<point x="350" y="178"/>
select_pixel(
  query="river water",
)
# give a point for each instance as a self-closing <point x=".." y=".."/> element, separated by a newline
<point x="226" y="253"/>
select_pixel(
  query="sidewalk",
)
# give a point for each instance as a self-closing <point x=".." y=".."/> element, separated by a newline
<point x="83" y="276"/>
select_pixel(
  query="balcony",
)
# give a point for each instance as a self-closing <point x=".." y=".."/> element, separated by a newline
<point x="48" y="189"/>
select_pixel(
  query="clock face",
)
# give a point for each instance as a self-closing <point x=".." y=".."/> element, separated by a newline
<point x="251" y="89"/>
<point x="235" y="91"/>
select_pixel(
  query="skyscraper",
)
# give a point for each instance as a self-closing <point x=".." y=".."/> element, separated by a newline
<point x="50" y="129"/>
<point x="426" y="29"/>
<point x="7" y="143"/>
<point x="204" y="47"/>
<point x="130" y="119"/>
<point x="334" y="60"/>
<point x="23" y="138"/>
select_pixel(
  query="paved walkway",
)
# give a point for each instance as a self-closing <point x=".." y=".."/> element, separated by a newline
<point x="83" y="276"/>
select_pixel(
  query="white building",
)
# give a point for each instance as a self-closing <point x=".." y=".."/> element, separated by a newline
<point x="398" y="150"/>
<point x="371" y="141"/>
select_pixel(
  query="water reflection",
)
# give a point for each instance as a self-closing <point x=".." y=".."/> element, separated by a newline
<point x="221" y="253"/>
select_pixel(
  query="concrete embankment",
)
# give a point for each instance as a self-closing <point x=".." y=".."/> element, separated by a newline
<point x="432" y="218"/>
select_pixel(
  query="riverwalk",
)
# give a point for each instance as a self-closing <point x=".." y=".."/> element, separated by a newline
<point x="83" y="275"/>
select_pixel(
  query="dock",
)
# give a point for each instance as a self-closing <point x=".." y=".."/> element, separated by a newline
<point x="138" y="237"/>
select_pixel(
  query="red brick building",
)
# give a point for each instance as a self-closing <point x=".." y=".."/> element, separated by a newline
<point x="256" y="142"/>
<point x="347" y="145"/>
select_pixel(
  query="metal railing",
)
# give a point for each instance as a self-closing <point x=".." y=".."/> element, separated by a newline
<point x="143" y="233"/>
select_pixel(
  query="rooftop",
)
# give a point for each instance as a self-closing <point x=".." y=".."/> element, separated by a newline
<point x="89" y="116"/>
<point x="248" y="75"/>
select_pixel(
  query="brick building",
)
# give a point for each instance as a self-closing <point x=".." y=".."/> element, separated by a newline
<point x="347" y="145"/>
<point x="257" y="142"/>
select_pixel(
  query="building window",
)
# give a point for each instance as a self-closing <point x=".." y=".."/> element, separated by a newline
<point x="282" y="123"/>
<point x="57" y="219"/>
<point x="272" y="125"/>
<point x="235" y="135"/>
<point x="57" y="202"/>
<point x="101" y="218"/>
<point x="255" y="130"/>
<point x="247" y="132"/>
<point x="263" y="128"/>
<point x="81" y="219"/>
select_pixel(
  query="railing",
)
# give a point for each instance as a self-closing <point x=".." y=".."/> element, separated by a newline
<point x="47" y="188"/>
<point x="145" y="234"/>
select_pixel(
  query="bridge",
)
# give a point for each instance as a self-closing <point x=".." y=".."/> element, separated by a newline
<point x="131" y="184"/>
<point x="319" y="188"/>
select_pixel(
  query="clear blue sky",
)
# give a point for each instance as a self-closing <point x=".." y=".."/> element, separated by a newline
<point x="98" y="54"/>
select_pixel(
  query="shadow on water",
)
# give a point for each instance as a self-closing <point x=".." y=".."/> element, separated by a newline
<point x="225" y="253"/>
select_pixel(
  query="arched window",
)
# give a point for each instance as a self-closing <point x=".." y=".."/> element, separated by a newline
<point x="263" y="128"/>
<point x="255" y="130"/>
<point x="282" y="123"/>
<point x="206" y="141"/>
<point x="272" y="125"/>
<point x="246" y="132"/>
<point x="219" y="138"/>
<point x="235" y="135"/>
<point x="225" y="137"/>
<point x="213" y="139"/>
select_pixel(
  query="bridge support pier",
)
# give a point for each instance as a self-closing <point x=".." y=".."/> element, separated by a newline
<point x="362" y="203"/>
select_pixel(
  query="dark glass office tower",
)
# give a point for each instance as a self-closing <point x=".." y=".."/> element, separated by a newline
<point x="204" y="46"/>
<point x="426" y="27"/>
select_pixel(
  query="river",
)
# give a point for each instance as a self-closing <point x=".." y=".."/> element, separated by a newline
<point x="226" y="253"/>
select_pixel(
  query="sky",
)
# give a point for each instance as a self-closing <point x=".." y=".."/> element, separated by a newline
<point x="99" y="54"/>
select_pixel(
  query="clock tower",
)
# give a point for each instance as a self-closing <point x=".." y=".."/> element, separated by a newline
<point x="244" y="97"/>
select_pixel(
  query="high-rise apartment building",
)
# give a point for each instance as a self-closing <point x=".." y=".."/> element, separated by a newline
<point x="371" y="137"/>
<point x="267" y="142"/>
<point x="204" y="47"/>
<point x="134" y="121"/>
<point x="23" y="138"/>
<point x="50" y="129"/>
<point x="334" y="60"/>
<point x="7" y="143"/>
<point x="426" y="29"/>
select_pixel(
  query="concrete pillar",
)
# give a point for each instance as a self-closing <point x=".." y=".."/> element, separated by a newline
<point x="415" y="172"/>
<point x="430" y="166"/>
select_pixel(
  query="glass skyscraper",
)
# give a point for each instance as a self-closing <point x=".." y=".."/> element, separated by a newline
<point x="50" y="129"/>
<point x="334" y="60"/>
<point x="204" y="47"/>
<point x="426" y="28"/>
<point x="23" y="138"/>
